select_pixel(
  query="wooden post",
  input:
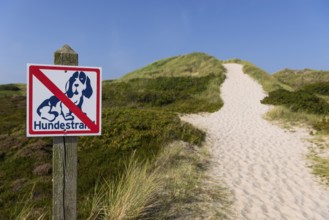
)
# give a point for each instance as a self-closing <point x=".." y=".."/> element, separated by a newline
<point x="65" y="158"/>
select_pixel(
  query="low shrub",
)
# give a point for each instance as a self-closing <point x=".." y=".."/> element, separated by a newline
<point x="179" y="94"/>
<point x="9" y="87"/>
<point x="297" y="101"/>
<point x="13" y="113"/>
<point x="296" y="79"/>
<point x="321" y="88"/>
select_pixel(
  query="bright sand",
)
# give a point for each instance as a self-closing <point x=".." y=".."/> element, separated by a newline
<point x="262" y="164"/>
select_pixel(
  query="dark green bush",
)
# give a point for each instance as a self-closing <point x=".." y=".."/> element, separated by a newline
<point x="9" y="87"/>
<point x="297" y="101"/>
<point x="169" y="93"/>
<point x="318" y="88"/>
<point x="12" y="112"/>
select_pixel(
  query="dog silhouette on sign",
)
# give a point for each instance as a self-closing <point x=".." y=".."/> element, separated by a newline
<point x="76" y="88"/>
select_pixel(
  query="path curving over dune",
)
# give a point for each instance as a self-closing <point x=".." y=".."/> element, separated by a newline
<point x="262" y="164"/>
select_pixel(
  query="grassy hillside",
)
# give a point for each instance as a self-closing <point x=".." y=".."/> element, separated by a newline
<point x="12" y="89"/>
<point x="194" y="64"/>
<point x="299" y="78"/>
<point x="178" y="94"/>
<point x="185" y="84"/>
<point x="298" y="101"/>
<point x="139" y="117"/>
<point x="309" y="94"/>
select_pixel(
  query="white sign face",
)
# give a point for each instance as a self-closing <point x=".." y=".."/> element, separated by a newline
<point x="63" y="100"/>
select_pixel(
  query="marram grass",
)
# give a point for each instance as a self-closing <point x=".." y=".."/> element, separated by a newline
<point x="131" y="196"/>
<point x="174" y="186"/>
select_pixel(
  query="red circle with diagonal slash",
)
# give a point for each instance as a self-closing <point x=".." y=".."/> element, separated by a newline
<point x="35" y="71"/>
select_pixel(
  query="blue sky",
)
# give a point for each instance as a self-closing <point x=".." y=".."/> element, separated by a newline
<point x="121" y="35"/>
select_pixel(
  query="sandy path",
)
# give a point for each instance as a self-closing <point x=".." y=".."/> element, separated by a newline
<point x="262" y="164"/>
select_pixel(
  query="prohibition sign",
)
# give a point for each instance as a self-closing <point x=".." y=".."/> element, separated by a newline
<point x="35" y="73"/>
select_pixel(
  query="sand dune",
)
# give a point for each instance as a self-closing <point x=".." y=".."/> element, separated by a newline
<point x="263" y="165"/>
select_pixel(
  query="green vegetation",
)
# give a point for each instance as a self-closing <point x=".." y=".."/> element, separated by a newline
<point x="299" y="101"/>
<point x="144" y="132"/>
<point x="303" y="96"/>
<point x="308" y="105"/>
<point x="299" y="78"/>
<point x="284" y="114"/>
<point x="321" y="167"/>
<point x="140" y="118"/>
<point x="320" y="88"/>
<point x="27" y="209"/>
<point x="267" y="81"/>
<point x="9" y="87"/>
<point x="12" y="89"/>
<point x="173" y="187"/>
<point x="131" y="196"/>
<point x="179" y="94"/>
<point x="319" y="156"/>
<point x="13" y="114"/>
<point x="194" y="64"/>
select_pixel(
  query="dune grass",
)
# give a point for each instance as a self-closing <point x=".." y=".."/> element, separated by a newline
<point x="194" y="64"/>
<point x="13" y="114"/>
<point x="321" y="168"/>
<point x="174" y="186"/>
<point x="319" y="156"/>
<point x="320" y="88"/>
<point x="175" y="94"/>
<point x="12" y="89"/>
<point x="298" y="101"/>
<point x="299" y="78"/>
<point x="131" y="196"/>
<point x="290" y="118"/>
<point x="26" y="210"/>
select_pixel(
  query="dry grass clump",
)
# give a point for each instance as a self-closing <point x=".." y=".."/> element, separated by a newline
<point x="299" y="78"/>
<point x="130" y="197"/>
<point x="286" y="117"/>
<point x="27" y="210"/>
<point x="319" y="156"/>
<point x="174" y="187"/>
